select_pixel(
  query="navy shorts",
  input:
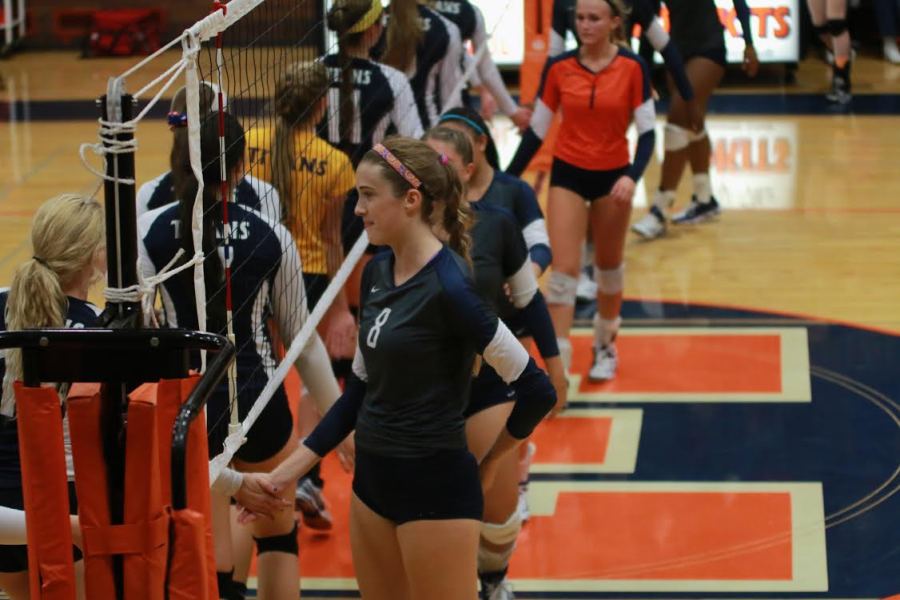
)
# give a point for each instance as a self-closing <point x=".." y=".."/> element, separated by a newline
<point x="717" y="54"/>
<point x="269" y="434"/>
<point x="488" y="390"/>
<point x="590" y="185"/>
<point x="441" y="486"/>
<point x="14" y="559"/>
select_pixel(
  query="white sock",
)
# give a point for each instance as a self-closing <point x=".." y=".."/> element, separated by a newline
<point x="605" y="330"/>
<point x="664" y="199"/>
<point x="565" y="353"/>
<point x="891" y="51"/>
<point x="702" y="187"/>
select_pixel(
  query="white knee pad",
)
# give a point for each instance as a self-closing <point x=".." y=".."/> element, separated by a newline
<point x="610" y="281"/>
<point x="492" y="561"/>
<point x="561" y="289"/>
<point x="696" y="136"/>
<point x="676" y="138"/>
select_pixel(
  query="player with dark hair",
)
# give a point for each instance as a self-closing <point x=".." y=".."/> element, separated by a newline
<point x="266" y="283"/>
<point x="700" y="36"/>
<point x="167" y="187"/>
<point x="504" y="278"/>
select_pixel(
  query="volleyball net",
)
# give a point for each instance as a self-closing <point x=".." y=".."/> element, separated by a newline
<point x="231" y="61"/>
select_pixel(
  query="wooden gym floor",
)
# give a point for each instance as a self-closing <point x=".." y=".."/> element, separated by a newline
<point x="750" y="445"/>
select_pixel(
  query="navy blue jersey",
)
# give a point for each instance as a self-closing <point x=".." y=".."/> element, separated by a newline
<point x="436" y="72"/>
<point x="80" y="314"/>
<point x="695" y="25"/>
<point x="461" y="13"/>
<point x="418" y="343"/>
<point x="266" y="282"/>
<point x="514" y="195"/>
<point x="383" y="104"/>
<point x="498" y="254"/>
<point x="251" y="192"/>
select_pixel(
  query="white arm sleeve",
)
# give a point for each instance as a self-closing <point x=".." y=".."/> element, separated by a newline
<point x="645" y="117"/>
<point x="487" y="68"/>
<point x="289" y="303"/>
<point x="450" y="75"/>
<point x="505" y="354"/>
<point x="523" y="284"/>
<point x="535" y="233"/>
<point x="270" y="201"/>
<point x="359" y="365"/>
<point x="145" y="265"/>
<point x="145" y="192"/>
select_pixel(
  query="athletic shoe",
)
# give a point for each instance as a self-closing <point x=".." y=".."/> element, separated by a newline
<point x="501" y="590"/>
<point x="652" y="225"/>
<point x="311" y="504"/>
<point x="891" y="51"/>
<point x="697" y="212"/>
<point x="840" y="91"/>
<point x="606" y="360"/>
<point x="587" y="288"/>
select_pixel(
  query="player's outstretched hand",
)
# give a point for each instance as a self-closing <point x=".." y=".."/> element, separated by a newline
<point x="623" y="190"/>
<point x="751" y="61"/>
<point x="346" y="453"/>
<point x="258" y="497"/>
<point x="522" y="118"/>
<point x="557" y="374"/>
<point x="340" y="336"/>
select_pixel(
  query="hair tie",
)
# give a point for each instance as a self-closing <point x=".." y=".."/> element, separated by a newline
<point x="41" y="261"/>
<point x="444" y="159"/>
<point x="177" y="119"/>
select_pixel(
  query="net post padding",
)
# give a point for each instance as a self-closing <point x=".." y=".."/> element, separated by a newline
<point x="191" y="557"/>
<point x="51" y="569"/>
<point x="145" y="564"/>
<point x="143" y="538"/>
<point x="84" y="409"/>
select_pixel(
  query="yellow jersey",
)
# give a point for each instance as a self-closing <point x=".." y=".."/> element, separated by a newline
<point x="320" y="177"/>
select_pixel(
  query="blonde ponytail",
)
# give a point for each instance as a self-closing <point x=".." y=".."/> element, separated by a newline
<point x="66" y="233"/>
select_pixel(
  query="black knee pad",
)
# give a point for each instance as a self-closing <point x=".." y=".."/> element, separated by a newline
<point x="837" y="26"/>
<point x="228" y="588"/>
<point x="286" y="542"/>
<point x="238" y="591"/>
<point x="821" y="30"/>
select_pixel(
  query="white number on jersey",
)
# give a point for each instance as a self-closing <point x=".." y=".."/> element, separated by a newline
<point x="380" y="321"/>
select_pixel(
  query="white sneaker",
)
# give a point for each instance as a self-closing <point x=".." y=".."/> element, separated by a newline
<point x="606" y="360"/>
<point x="587" y="288"/>
<point x="652" y="225"/>
<point x="499" y="591"/>
<point x="891" y="51"/>
<point x="522" y="506"/>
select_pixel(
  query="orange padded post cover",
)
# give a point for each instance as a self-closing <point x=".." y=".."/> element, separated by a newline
<point x="50" y="564"/>
<point x="83" y="410"/>
<point x="186" y="580"/>
<point x="538" y="20"/>
<point x="144" y="566"/>
<point x="171" y="394"/>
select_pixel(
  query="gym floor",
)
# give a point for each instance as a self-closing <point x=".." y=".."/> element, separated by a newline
<point x="749" y="447"/>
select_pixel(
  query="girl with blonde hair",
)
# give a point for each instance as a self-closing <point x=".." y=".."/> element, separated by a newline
<point x="50" y="289"/>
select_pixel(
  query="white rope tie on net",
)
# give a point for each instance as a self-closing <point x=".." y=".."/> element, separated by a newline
<point x="145" y="290"/>
<point x="108" y="144"/>
<point x="236" y="439"/>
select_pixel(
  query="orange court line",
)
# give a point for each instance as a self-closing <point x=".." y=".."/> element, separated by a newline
<point x="579" y="440"/>
<point x="685" y="363"/>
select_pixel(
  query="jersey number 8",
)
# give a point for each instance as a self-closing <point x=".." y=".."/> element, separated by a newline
<point x="380" y="321"/>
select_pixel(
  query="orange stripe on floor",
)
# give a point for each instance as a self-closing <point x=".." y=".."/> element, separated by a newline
<point x="658" y="535"/>
<point x="687" y="363"/>
<point x="572" y="440"/>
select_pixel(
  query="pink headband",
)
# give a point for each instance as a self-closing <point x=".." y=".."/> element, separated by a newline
<point x="398" y="166"/>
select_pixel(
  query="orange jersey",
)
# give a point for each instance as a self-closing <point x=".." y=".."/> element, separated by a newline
<point x="596" y="110"/>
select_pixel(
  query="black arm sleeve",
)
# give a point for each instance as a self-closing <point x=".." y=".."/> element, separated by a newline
<point x="340" y="419"/>
<point x="528" y="147"/>
<point x="743" y="15"/>
<point x="537" y="319"/>
<point x="535" y="397"/>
